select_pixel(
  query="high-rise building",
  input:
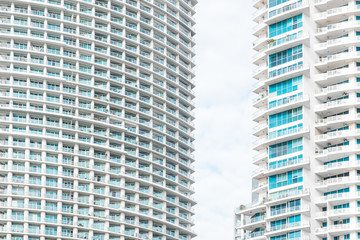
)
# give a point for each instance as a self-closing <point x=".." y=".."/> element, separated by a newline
<point x="307" y="181"/>
<point x="96" y="119"/>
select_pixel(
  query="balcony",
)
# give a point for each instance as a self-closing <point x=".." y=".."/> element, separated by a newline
<point x="260" y="99"/>
<point x="259" y="173"/>
<point x="283" y="73"/>
<point x="336" y="45"/>
<point x="287" y="103"/>
<point x="276" y="45"/>
<point x="251" y="208"/>
<point x="258" y="3"/>
<point x="323" y="93"/>
<point x="332" y="61"/>
<point x="289" y="194"/>
<point x="285" y="135"/>
<point x="254" y="222"/>
<point x="342" y="228"/>
<point x="336" y="74"/>
<point x="259" y="58"/>
<point x="287" y="165"/>
<point x="260" y="71"/>
<point x="261" y="157"/>
<point x="334" y="12"/>
<point x="340" y="119"/>
<point x="284" y="104"/>
<point x="288" y="210"/>
<point x="255" y="235"/>
<point x="260" y="129"/>
<point x="334" y="152"/>
<point x="331" y="183"/>
<point x="260" y="186"/>
<point x="259" y="86"/>
<point x="334" y="197"/>
<point x="259" y="29"/>
<point x="332" y="105"/>
<point x="283" y="227"/>
<point x="318" y="2"/>
<point x="260" y="14"/>
<point x="336" y="135"/>
<point x="333" y="31"/>
<point x="336" y="168"/>
<point x="284" y="12"/>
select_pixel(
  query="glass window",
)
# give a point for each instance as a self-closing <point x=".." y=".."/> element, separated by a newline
<point x="285" y="179"/>
<point x="285" y="26"/>
<point x="285" y="117"/>
<point x="286" y="86"/>
<point x="284" y="148"/>
<point x="285" y="56"/>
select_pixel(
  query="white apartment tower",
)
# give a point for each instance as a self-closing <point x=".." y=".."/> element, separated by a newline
<point x="307" y="181"/>
<point x="96" y="119"/>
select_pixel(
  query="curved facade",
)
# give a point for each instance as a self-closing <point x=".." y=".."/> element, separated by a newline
<point x="96" y="119"/>
<point x="306" y="185"/>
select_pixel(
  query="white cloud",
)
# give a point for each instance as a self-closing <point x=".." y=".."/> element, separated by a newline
<point x="223" y="115"/>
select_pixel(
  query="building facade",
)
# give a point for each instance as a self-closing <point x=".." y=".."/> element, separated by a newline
<point x="96" y="119"/>
<point x="307" y="179"/>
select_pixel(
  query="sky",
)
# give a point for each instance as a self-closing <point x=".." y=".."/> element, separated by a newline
<point x="223" y="114"/>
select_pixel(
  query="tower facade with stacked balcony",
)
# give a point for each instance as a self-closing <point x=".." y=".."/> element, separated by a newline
<point x="306" y="184"/>
<point x="96" y="119"/>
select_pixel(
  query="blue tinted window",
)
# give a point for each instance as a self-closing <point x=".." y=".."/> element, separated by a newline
<point x="285" y="100"/>
<point x="273" y="3"/>
<point x="346" y="159"/>
<point x="285" y="56"/>
<point x="286" y="162"/>
<point x="285" y="117"/>
<point x="285" y="179"/>
<point x="285" y="26"/>
<point x="344" y="190"/>
<point x="286" y="86"/>
<point x="284" y="148"/>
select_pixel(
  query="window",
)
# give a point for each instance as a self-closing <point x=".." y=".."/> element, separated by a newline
<point x="285" y="179"/>
<point x="285" y="56"/>
<point x="285" y="117"/>
<point x="286" y="86"/>
<point x="337" y="192"/>
<point x="284" y="148"/>
<point x="285" y="26"/>
<point x="291" y="222"/>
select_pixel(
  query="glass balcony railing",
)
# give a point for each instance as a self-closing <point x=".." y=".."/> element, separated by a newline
<point x="273" y="43"/>
<point x="287" y="8"/>
<point x="288" y="193"/>
<point x="288" y="210"/>
<point x="287" y="69"/>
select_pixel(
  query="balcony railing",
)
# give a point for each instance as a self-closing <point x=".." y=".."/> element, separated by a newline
<point x="289" y="210"/>
<point x="254" y="234"/>
<point x="287" y="69"/>
<point x="337" y="180"/>
<point x="288" y="194"/>
<point x="332" y="104"/>
<point x="334" y="119"/>
<point x="338" y="165"/>
<point x="287" y="8"/>
<point x="273" y="43"/>
<point x="339" y="56"/>
<point x="288" y="225"/>
<point x="286" y="131"/>
<point x="332" y="150"/>
<point x="334" y="11"/>
<point x="254" y="220"/>
<point x="287" y="162"/>
<point x="336" y="134"/>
